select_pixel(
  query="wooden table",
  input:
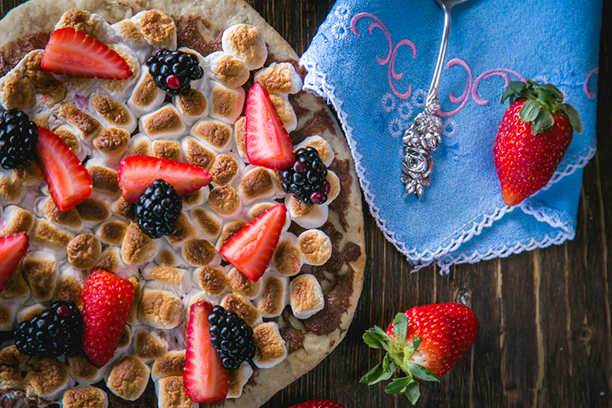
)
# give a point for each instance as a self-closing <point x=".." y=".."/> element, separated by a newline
<point x="545" y="336"/>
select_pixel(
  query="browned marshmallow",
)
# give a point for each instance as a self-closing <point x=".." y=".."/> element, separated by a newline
<point x="149" y="347"/>
<point x="208" y="222"/>
<point x="166" y="149"/>
<point x="197" y="154"/>
<point x="279" y="78"/>
<point x="194" y="198"/>
<point x="225" y="201"/>
<point x="242" y="307"/>
<point x="165" y="122"/>
<point x="88" y="126"/>
<point x="130" y="32"/>
<point x="192" y="105"/>
<point x="287" y="258"/>
<point x="112" y="141"/>
<point x="273" y="296"/>
<point x="69" y="138"/>
<point x="226" y="103"/>
<point x="69" y="289"/>
<point x="315" y="246"/>
<point x="10" y="373"/>
<point x="110" y="260"/>
<point x="126" y="338"/>
<point x="146" y="96"/>
<point x="29" y="312"/>
<point x="115" y="113"/>
<point x="8" y="313"/>
<point x="10" y="191"/>
<point x="166" y="258"/>
<point x="104" y="180"/>
<point x="165" y="274"/>
<point x="16" y="90"/>
<point x="17" y="287"/>
<point x="241" y="285"/>
<point x="247" y="43"/>
<point x="50" y="237"/>
<point x="128" y="378"/>
<point x="85" y="398"/>
<point x="112" y="232"/>
<point x="133" y="316"/>
<point x="211" y="280"/>
<point x="215" y="134"/>
<point x="17" y="220"/>
<point x="270" y="347"/>
<point x="322" y="146"/>
<point x="304" y="215"/>
<point x="28" y="175"/>
<point x="44" y="376"/>
<point x="199" y="252"/>
<point x="171" y="393"/>
<point x="306" y="296"/>
<point x="69" y="218"/>
<point x="227" y="69"/>
<point x="224" y="169"/>
<point x="240" y="136"/>
<point x="334" y="186"/>
<point x="160" y="309"/>
<point x="182" y="231"/>
<point x="228" y="231"/>
<point x="93" y="210"/>
<point x="120" y="86"/>
<point x="44" y="82"/>
<point x="285" y="111"/>
<point x="40" y="271"/>
<point x="80" y="20"/>
<point x="84" y="251"/>
<point x="255" y="184"/>
<point x="137" y="247"/>
<point x="157" y="28"/>
<point x="123" y="209"/>
<point x="82" y="369"/>
<point x="238" y="379"/>
<point x="168" y="365"/>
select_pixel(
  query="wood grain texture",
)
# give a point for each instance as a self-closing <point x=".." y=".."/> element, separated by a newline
<point x="545" y="335"/>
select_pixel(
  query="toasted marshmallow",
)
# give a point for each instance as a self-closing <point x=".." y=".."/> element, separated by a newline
<point x="326" y="153"/>
<point x="182" y="232"/>
<point x="10" y="371"/>
<point x="246" y="42"/>
<point x="285" y="111"/>
<point x="304" y="215"/>
<point x="238" y="379"/>
<point x="167" y="274"/>
<point x="172" y="393"/>
<point x="270" y="347"/>
<point x="137" y="247"/>
<point x="47" y="236"/>
<point x="157" y="28"/>
<point x="225" y="169"/>
<point x="110" y="260"/>
<point x="10" y="191"/>
<point x="16" y="90"/>
<point x="279" y="78"/>
<point x="228" y="231"/>
<point x="166" y="149"/>
<point x="146" y="96"/>
<point x="197" y="154"/>
<point x="113" y="112"/>
<point x="112" y="142"/>
<point x="91" y="24"/>
<point x="315" y="246"/>
<point x="164" y="123"/>
<point x="168" y="365"/>
<point x="287" y="258"/>
<point x="195" y="199"/>
<point x="8" y="314"/>
<point x="259" y="208"/>
<point x="124" y="340"/>
<point x="255" y="184"/>
<point x="242" y="307"/>
<point x="83" y="251"/>
<point x="160" y="308"/>
<point x="200" y="252"/>
<point x="69" y="286"/>
<point x="16" y="220"/>
<point x="69" y="218"/>
<point x="140" y="145"/>
<point x="40" y="271"/>
<point x="192" y="105"/>
<point x="241" y="285"/>
<point x="306" y="296"/>
<point x="213" y="134"/>
<point x="82" y="370"/>
<point x="29" y="312"/>
<point x="240" y="138"/>
<point x="131" y="36"/>
<point x="85" y="397"/>
<point x="104" y="179"/>
<point x="133" y="316"/>
<point x="212" y="280"/>
<point x="225" y="201"/>
<point x="226" y="103"/>
<point x="227" y="69"/>
<point x="128" y="378"/>
<point x="208" y="222"/>
<point x="16" y="289"/>
<point x="46" y="377"/>
<point x="148" y="346"/>
<point x="28" y="175"/>
<point x="166" y="257"/>
<point x="66" y="134"/>
<point x="123" y="209"/>
<point x="120" y="88"/>
<point x="334" y="186"/>
<point x="87" y="126"/>
<point x="93" y="210"/>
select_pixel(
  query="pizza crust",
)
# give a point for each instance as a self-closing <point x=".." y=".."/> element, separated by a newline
<point x="40" y="16"/>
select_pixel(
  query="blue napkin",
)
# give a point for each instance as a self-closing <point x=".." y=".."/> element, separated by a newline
<point x="374" y="60"/>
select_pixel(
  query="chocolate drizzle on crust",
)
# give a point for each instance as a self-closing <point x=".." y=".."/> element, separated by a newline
<point x="148" y="399"/>
<point x="341" y="203"/>
<point x="189" y="36"/>
<point x="12" y="52"/>
<point x="316" y="125"/>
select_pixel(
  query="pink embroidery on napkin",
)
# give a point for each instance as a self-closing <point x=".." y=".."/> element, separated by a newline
<point x="585" y="86"/>
<point x="465" y="96"/>
<point x="501" y="72"/>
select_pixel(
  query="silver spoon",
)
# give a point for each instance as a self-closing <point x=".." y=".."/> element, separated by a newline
<point x="423" y="135"/>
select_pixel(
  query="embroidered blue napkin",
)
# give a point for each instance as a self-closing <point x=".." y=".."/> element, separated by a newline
<point x="374" y="60"/>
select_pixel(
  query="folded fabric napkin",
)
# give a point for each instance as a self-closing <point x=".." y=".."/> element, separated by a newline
<point x="374" y="60"/>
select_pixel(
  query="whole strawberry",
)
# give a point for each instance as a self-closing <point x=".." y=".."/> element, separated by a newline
<point x="318" y="404"/>
<point x="532" y="139"/>
<point x="107" y="301"/>
<point x="423" y="342"/>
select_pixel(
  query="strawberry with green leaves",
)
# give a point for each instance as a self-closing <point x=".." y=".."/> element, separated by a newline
<point x="424" y="343"/>
<point x="532" y="139"/>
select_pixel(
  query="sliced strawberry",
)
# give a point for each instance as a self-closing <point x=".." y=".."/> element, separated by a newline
<point x="72" y="52"/>
<point x="68" y="180"/>
<point x="251" y="248"/>
<point x="267" y="142"/>
<point x="205" y="378"/>
<point x="107" y="301"/>
<point x="12" y="249"/>
<point x="136" y="173"/>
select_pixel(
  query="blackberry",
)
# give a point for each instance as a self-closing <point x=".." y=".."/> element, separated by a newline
<point x="231" y="337"/>
<point x="174" y="70"/>
<point x="54" y="332"/>
<point x="306" y="179"/>
<point x="157" y="209"/>
<point x="18" y="138"/>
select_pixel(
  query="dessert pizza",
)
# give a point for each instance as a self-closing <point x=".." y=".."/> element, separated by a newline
<point x="181" y="224"/>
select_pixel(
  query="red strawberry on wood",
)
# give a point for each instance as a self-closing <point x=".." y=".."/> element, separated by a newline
<point x="12" y="249"/>
<point x="532" y="139"/>
<point x="107" y="301"/>
<point x="424" y="343"/>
